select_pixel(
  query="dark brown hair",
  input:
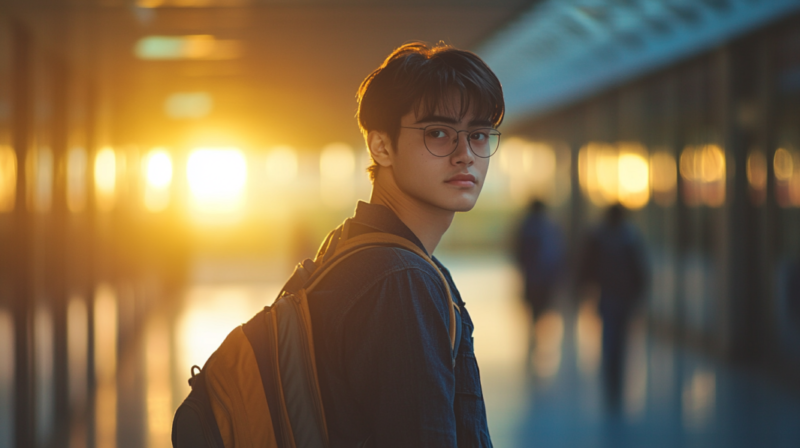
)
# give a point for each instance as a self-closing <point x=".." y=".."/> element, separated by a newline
<point x="420" y="77"/>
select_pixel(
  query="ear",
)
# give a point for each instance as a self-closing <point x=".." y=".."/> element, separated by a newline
<point x="380" y="146"/>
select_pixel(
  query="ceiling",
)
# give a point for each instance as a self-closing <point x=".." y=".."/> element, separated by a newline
<point x="294" y="81"/>
<point x="298" y="64"/>
<point x="560" y="51"/>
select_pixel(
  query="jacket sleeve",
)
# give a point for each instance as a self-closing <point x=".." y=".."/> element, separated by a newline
<point x="399" y="361"/>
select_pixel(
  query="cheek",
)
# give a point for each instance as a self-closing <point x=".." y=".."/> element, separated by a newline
<point x="483" y="167"/>
<point x="408" y="154"/>
<point x="415" y="161"/>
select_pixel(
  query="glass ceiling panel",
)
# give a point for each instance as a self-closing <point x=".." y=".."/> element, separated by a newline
<point x="560" y="51"/>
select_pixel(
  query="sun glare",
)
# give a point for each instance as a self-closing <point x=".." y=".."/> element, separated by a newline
<point x="217" y="178"/>
<point x="337" y="162"/>
<point x="159" y="169"/>
<point x="188" y="105"/>
<point x="281" y="164"/>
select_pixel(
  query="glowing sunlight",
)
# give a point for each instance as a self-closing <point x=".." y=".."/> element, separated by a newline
<point x="217" y="178"/>
<point x="157" y="167"/>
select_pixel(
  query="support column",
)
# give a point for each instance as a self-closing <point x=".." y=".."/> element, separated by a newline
<point x="22" y="242"/>
<point x="58" y="252"/>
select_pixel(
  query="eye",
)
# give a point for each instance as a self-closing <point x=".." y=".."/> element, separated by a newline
<point x="479" y="135"/>
<point x="437" y="133"/>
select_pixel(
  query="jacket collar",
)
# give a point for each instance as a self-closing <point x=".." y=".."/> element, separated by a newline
<point x="377" y="218"/>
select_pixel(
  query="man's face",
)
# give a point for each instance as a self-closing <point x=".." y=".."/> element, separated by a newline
<point x="451" y="183"/>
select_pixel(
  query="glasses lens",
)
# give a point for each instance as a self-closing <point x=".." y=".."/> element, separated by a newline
<point x="440" y="140"/>
<point x="484" y="142"/>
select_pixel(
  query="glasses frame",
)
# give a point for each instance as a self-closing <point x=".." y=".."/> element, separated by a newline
<point x="469" y="145"/>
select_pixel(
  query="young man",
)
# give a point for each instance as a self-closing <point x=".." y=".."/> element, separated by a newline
<point x="381" y="318"/>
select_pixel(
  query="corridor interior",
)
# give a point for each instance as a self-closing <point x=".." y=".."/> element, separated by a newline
<point x="550" y="397"/>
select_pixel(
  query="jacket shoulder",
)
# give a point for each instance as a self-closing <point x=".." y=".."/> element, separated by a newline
<point x="381" y="261"/>
<point x="363" y="270"/>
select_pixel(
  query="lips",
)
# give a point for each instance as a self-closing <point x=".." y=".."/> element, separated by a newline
<point x="462" y="180"/>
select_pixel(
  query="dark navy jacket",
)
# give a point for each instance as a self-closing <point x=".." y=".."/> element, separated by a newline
<point x="380" y="322"/>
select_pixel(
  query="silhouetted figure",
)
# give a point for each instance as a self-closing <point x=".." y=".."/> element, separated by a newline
<point x="539" y="254"/>
<point x="789" y="304"/>
<point x="793" y="293"/>
<point x="614" y="259"/>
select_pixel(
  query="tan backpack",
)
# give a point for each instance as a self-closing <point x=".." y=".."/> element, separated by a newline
<point x="260" y="387"/>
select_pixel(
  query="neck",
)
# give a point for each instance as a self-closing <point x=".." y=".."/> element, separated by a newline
<point x="428" y="222"/>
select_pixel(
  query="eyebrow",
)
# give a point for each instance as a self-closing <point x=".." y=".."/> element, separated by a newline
<point x="451" y="120"/>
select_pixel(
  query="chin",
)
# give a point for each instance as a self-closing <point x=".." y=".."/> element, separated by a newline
<point x="462" y="205"/>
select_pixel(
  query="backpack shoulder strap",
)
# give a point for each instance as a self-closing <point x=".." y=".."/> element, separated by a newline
<point x="348" y="247"/>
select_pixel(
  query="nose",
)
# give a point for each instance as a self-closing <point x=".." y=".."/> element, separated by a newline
<point x="463" y="153"/>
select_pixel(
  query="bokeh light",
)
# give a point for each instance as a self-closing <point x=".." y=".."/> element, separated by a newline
<point x="664" y="177"/>
<point x="757" y="170"/>
<point x="703" y="170"/>
<point x="39" y="166"/>
<point x="105" y="363"/>
<point x="197" y="46"/>
<point x="783" y="164"/>
<point x="634" y="176"/>
<point x="786" y="164"/>
<point x="8" y="178"/>
<point x="76" y="179"/>
<point x="530" y="168"/>
<point x="615" y="173"/>
<point x="105" y="178"/>
<point x="757" y="176"/>
<point x="43" y="343"/>
<point x="588" y="330"/>
<point x="699" y="398"/>
<point x="549" y="330"/>
<point x="157" y="167"/>
<point x="159" y="388"/>
<point x="77" y="350"/>
<point x="217" y="177"/>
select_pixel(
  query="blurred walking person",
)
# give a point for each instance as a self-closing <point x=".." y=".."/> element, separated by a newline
<point x="614" y="259"/>
<point x="539" y="254"/>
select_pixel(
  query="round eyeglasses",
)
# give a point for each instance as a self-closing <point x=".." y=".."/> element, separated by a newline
<point x="442" y="140"/>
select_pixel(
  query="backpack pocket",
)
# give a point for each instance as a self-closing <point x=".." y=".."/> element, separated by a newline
<point x="194" y="424"/>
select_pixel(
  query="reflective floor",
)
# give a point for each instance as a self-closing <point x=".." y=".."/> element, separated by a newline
<point x="672" y="397"/>
<point x="550" y="398"/>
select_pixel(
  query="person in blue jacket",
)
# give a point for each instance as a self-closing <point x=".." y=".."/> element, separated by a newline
<point x="539" y="253"/>
<point x="614" y="259"/>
